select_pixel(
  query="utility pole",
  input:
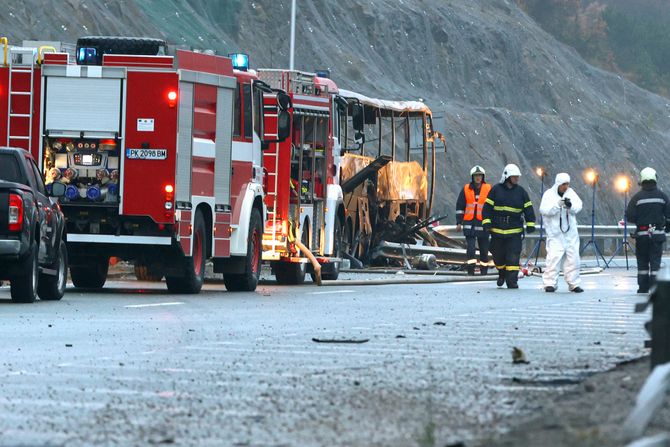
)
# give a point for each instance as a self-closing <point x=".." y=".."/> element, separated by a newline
<point x="292" y="56"/>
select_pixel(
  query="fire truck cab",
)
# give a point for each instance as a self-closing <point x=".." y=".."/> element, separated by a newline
<point x="160" y="155"/>
<point x="303" y="195"/>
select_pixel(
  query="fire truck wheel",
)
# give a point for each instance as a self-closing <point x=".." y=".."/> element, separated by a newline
<point x="52" y="287"/>
<point x="331" y="270"/>
<point x="192" y="282"/>
<point x="144" y="273"/>
<point x="24" y="287"/>
<point x="290" y="273"/>
<point x="92" y="275"/>
<point x="247" y="281"/>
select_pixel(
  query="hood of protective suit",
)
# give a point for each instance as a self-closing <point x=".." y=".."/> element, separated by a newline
<point x="561" y="178"/>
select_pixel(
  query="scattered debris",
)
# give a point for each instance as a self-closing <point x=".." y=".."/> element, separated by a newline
<point x="341" y="340"/>
<point x="400" y="336"/>
<point x="68" y="345"/>
<point x="518" y="356"/>
<point x="439" y="323"/>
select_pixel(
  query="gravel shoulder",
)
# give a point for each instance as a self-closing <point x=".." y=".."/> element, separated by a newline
<point x="590" y="414"/>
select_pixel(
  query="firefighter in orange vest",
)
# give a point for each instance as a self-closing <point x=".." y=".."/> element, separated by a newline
<point x="469" y="217"/>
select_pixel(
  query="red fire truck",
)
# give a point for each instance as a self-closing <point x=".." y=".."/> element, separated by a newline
<point x="161" y="155"/>
<point x="303" y="198"/>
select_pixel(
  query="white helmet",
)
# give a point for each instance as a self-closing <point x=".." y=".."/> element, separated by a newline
<point x="509" y="171"/>
<point x="477" y="170"/>
<point x="648" y="175"/>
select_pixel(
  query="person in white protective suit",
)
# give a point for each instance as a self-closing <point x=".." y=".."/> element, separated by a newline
<point x="559" y="207"/>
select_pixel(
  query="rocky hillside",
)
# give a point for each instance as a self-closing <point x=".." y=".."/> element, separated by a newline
<point x="502" y="89"/>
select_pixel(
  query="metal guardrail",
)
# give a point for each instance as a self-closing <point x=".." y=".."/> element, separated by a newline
<point x="608" y="238"/>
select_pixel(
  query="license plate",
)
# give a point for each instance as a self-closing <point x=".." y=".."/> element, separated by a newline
<point x="146" y="154"/>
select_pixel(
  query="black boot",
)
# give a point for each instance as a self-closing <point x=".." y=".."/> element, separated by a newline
<point x="501" y="278"/>
<point x="642" y="283"/>
<point x="484" y="271"/>
<point x="471" y="269"/>
<point x="512" y="278"/>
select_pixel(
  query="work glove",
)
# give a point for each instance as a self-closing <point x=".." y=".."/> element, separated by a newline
<point x="530" y="230"/>
<point x="487" y="227"/>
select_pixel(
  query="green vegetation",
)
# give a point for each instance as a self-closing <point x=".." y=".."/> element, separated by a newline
<point x="626" y="37"/>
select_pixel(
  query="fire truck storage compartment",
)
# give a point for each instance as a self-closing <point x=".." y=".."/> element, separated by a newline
<point x="82" y="104"/>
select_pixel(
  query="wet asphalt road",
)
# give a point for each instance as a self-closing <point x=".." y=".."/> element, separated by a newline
<point x="133" y="365"/>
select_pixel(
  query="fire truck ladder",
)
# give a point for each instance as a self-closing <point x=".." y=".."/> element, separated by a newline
<point x="21" y="68"/>
<point x="273" y="214"/>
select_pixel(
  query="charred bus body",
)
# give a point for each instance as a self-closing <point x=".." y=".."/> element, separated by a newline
<point x="387" y="171"/>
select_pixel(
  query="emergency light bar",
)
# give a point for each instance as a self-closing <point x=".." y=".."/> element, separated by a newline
<point x="240" y="61"/>
<point x="323" y="74"/>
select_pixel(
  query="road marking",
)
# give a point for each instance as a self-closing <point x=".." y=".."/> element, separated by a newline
<point x="332" y="291"/>
<point x="135" y="306"/>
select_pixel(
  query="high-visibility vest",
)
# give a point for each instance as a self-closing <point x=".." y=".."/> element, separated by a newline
<point x="473" y="206"/>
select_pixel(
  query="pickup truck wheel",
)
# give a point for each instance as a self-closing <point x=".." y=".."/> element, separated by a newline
<point x="247" y="281"/>
<point x="192" y="281"/>
<point x="91" y="276"/>
<point x="52" y="288"/>
<point x="24" y="286"/>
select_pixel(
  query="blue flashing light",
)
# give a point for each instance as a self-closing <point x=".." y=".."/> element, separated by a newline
<point x="71" y="192"/>
<point x="113" y="189"/>
<point x="93" y="193"/>
<point x="240" y="61"/>
<point x="87" y="56"/>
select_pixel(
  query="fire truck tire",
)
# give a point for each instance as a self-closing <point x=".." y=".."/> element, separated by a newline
<point x="192" y="282"/>
<point x="331" y="270"/>
<point x="290" y="273"/>
<point x="93" y="275"/>
<point x="144" y="273"/>
<point x="23" y="287"/>
<point x="247" y="281"/>
<point x="50" y="287"/>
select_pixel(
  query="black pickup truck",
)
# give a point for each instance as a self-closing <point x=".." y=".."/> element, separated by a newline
<point x="33" y="256"/>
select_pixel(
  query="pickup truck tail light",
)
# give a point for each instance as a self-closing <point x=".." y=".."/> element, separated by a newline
<point x="15" y="212"/>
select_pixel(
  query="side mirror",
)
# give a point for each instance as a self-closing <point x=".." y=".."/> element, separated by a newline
<point x="357" y="117"/>
<point x="57" y="189"/>
<point x="283" y="125"/>
<point x="283" y="101"/>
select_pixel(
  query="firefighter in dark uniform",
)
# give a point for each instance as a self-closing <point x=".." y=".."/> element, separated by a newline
<point x="649" y="210"/>
<point x="469" y="217"/>
<point x="506" y="208"/>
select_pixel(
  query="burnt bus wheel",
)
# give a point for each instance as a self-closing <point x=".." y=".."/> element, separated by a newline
<point x="91" y="274"/>
<point x="144" y="273"/>
<point x="248" y="281"/>
<point x="192" y="281"/>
